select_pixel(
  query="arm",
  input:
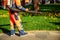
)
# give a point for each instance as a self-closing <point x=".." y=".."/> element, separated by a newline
<point x="18" y="4"/>
<point x="22" y="8"/>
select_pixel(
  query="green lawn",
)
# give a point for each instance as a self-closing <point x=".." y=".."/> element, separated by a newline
<point x="31" y="22"/>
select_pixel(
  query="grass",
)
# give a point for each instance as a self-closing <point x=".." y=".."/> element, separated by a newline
<point x="39" y="23"/>
<point x="31" y="22"/>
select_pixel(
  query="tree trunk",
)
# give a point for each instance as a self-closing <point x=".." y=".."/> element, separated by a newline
<point x="36" y="5"/>
<point x="54" y="1"/>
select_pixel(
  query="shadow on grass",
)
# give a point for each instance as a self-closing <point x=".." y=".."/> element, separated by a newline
<point x="56" y="23"/>
<point x="5" y="25"/>
<point x="4" y="30"/>
<point x="58" y="16"/>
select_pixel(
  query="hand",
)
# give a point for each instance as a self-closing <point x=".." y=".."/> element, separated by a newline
<point x="26" y="9"/>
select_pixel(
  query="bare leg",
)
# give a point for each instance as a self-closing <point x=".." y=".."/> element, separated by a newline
<point x="11" y="28"/>
<point x="19" y="25"/>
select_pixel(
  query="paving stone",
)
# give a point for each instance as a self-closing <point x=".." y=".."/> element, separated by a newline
<point x="33" y="36"/>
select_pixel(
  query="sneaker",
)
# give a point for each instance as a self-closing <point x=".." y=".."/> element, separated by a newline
<point x="21" y="32"/>
<point x="23" y="35"/>
<point x="12" y="35"/>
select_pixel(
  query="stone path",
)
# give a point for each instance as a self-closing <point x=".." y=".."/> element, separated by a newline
<point x="34" y="35"/>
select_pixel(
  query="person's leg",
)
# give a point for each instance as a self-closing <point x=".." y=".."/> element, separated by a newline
<point x="18" y="22"/>
<point x="11" y="29"/>
<point x="19" y="25"/>
<point x="12" y="19"/>
<point x="21" y="31"/>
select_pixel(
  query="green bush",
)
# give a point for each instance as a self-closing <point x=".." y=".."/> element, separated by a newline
<point x="46" y="8"/>
<point x="49" y="9"/>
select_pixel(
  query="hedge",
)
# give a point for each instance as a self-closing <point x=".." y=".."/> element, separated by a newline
<point x="46" y="8"/>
